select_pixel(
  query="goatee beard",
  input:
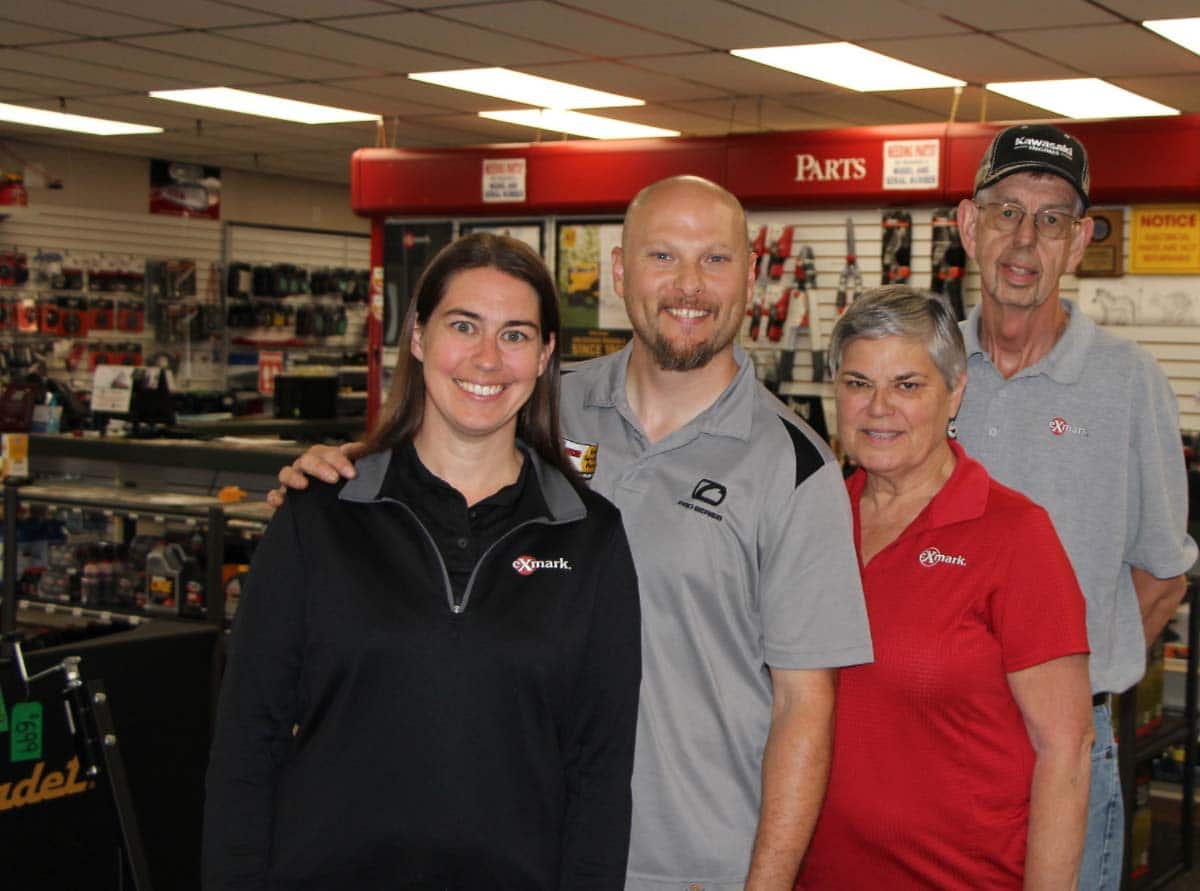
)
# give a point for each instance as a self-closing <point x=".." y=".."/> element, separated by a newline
<point x="668" y="357"/>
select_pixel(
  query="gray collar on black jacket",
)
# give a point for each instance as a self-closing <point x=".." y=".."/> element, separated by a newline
<point x="562" y="500"/>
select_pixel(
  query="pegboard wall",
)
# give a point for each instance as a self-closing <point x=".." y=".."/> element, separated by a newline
<point x="1175" y="346"/>
<point x="111" y="250"/>
<point x="303" y="324"/>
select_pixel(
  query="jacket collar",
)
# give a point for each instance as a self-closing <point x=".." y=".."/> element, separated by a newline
<point x="562" y="501"/>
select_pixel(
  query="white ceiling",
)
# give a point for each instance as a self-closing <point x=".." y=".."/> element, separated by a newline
<point x="100" y="57"/>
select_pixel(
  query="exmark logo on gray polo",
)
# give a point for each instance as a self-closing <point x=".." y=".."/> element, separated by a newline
<point x="1060" y="427"/>
<point x="934" y="557"/>
<point x="527" y="565"/>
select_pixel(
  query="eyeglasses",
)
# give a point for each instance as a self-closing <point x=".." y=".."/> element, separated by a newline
<point x="1052" y="224"/>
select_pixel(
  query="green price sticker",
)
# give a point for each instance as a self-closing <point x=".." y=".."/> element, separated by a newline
<point x="3" y="714"/>
<point x="26" y="732"/>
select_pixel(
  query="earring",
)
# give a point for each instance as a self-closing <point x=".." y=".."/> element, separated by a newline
<point x="952" y="429"/>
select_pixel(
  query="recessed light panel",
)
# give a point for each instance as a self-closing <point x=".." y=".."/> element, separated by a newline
<point x="847" y="65"/>
<point x="264" y="106"/>
<point x="590" y="125"/>
<point x="1185" y="32"/>
<point x="1082" y="97"/>
<point x="540" y="92"/>
<point x="76" y="123"/>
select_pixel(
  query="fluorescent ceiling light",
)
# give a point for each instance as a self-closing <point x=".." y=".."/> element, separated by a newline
<point x="57" y="120"/>
<point x="524" y="88"/>
<point x="590" y="125"/>
<point x="1185" y="32"/>
<point x="1081" y="97"/>
<point x="264" y="106"/>
<point x="847" y="65"/>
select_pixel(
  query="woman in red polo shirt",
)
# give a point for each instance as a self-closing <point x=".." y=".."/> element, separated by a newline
<point x="961" y="756"/>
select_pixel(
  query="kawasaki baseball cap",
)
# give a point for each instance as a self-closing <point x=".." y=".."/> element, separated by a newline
<point x="1035" y="147"/>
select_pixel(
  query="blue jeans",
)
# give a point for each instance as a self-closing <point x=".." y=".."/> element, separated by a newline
<point x="1104" y="848"/>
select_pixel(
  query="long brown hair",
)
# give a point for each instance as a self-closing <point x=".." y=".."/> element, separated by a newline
<point x="537" y="422"/>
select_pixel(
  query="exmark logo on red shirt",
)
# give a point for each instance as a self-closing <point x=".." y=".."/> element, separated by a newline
<point x="527" y="565"/>
<point x="1060" y="427"/>
<point x="932" y="557"/>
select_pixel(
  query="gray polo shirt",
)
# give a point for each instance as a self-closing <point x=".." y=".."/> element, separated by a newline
<point x="1091" y="433"/>
<point x="741" y="534"/>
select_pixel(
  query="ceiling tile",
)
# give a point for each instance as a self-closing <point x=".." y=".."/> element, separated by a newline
<point x="1109" y="50"/>
<point x="1021" y="13"/>
<point x="975" y="58"/>
<point x="729" y="74"/>
<point x="74" y="19"/>
<point x="624" y="79"/>
<point x="15" y="34"/>
<point x="861" y="109"/>
<point x="249" y="56"/>
<point x="318" y="41"/>
<point x="314" y="9"/>
<point x="17" y="85"/>
<point x="975" y="104"/>
<point x="167" y="67"/>
<point x="748" y="116"/>
<point x="857" y="19"/>
<point x="102" y="76"/>
<point x="413" y="91"/>
<point x="711" y="23"/>
<point x="455" y="130"/>
<point x="192" y="14"/>
<point x="480" y="45"/>
<point x="559" y="26"/>
<point x="1180" y="91"/>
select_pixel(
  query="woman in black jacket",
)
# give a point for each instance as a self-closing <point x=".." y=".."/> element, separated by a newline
<point x="433" y="673"/>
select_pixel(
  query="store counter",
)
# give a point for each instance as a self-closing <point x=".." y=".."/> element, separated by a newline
<point x="190" y="466"/>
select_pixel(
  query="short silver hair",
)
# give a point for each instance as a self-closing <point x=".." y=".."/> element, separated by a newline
<point x="902" y="311"/>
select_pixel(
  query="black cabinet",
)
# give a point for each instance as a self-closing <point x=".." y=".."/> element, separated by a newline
<point x="1159" y="828"/>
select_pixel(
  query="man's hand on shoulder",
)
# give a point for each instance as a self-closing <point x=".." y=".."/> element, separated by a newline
<point x="326" y="463"/>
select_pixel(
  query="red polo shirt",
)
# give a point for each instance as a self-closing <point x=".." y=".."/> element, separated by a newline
<point x="932" y="765"/>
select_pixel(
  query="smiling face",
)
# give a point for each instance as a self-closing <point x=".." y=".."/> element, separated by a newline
<point x="893" y="406"/>
<point x="684" y="272"/>
<point x="481" y="352"/>
<point x="1021" y="269"/>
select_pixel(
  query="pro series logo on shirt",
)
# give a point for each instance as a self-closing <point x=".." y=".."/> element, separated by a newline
<point x="527" y="565"/>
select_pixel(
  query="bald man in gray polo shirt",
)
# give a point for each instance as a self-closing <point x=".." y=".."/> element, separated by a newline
<point x="1081" y="421"/>
<point x="740" y="529"/>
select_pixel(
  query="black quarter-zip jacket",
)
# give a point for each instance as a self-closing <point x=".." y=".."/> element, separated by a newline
<point x="371" y="734"/>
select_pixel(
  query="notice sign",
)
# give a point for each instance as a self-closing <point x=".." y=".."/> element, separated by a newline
<point x="1165" y="240"/>
<point x="911" y="163"/>
<point x="270" y="365"/>
<point x="503" y="180"/>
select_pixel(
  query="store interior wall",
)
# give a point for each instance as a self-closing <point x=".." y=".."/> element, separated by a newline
<point x="97" y="180"/>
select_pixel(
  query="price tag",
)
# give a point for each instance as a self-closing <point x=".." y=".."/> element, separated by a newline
<point x="25" y="736"/>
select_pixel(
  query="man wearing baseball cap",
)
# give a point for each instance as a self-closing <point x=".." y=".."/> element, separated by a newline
<point x="1081" y="421"/>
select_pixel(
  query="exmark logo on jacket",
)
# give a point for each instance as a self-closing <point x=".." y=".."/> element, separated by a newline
<point x="527" y="565"/>
<point x="932" y="557"/>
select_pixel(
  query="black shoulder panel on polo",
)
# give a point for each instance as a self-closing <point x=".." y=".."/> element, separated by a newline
<point x="808" y="458"/>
